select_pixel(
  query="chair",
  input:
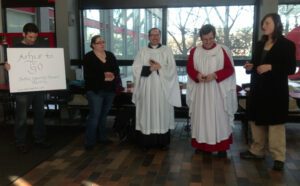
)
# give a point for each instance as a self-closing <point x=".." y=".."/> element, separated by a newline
<point x="58" y="99"/>
<point x="183" y="112"/>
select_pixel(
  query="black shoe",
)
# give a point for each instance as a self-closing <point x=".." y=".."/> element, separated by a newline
<point x="198" y="151"/>
<point x="22" y="148"/>
<point x="105" y="142"/>
<point x="206" y="153"/>
<point x="278" y="165"/>
<point x="42" y="145"/>
<point x="222" y="154"/>
<point x="145" y="149"/>
<point x="164" y="147"/>
<point x="249" y="155"/>
<point x="89" y="148"/>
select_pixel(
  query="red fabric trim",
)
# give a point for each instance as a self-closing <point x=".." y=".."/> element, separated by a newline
<point x="51" y="13"/>
<point x="28" y="10"/>
<point x="192" y="72"/>
<point x="221" y="146"/>
<point x="93" y="23"/>
<point x="227" y="69"/>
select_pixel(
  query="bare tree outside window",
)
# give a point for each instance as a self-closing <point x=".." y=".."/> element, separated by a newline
<point x="126" y="30"/>
<point x="290" y="15"/>
<point x="234" y="28"/>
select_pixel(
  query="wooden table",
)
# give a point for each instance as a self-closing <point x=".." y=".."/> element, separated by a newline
<point x="293" y="115"/>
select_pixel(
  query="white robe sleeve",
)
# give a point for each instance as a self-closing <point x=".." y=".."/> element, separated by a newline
<point x="136" y="71"/>
<point x="169" y="80"/>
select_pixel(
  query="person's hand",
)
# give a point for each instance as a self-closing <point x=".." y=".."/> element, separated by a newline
<point x="154" y="65"/>
<point x="264" y="68"/>
<point x="248" y="66"/>
<point x="201" y="77"/>
<point x="7" y="66"/>
<point x="109" y="76"/>
<point x="210" y="77"/>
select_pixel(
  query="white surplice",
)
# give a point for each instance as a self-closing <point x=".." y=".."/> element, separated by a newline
<point x="155" y="95"/>
<point x="212" y="105"/>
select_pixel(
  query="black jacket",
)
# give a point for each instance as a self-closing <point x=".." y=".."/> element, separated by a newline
<point x="94" y="72"/>
<point x="268" y="100"/>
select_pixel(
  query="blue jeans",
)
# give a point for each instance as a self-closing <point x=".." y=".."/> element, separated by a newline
<point x="99" y="104"/>
<point x="23" y="101"/>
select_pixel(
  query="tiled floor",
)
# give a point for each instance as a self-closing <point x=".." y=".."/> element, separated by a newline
<point x="122" y="164"/>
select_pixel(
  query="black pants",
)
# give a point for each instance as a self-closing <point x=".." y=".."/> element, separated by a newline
<point x="153" y="140"/>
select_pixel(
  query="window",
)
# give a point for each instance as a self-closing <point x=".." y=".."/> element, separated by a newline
<point x="234" y="27"/>
<point x="125" y="30"/>
<point x="16" y="18"/>
<point x="290" y="16"/>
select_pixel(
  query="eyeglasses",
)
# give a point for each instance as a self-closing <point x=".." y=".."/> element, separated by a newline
<point x="99" y="42"/>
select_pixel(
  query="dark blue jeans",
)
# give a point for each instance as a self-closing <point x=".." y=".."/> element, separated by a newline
<point x="99" y="105"/>
<point x="23" y="101"/>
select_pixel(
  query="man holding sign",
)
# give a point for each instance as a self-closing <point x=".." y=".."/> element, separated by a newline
<point x="24" y="100"/>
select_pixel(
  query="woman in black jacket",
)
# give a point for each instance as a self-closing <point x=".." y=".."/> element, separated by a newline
<point x="274" y="58"/>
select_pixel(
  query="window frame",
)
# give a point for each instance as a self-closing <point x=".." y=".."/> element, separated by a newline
<point x="126" y="62"/>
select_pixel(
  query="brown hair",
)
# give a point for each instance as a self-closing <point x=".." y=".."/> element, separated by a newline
<point x="149" y="32"/>
<point x="93" y="40"/>
<point x="278" y="27"/>
<point x="206" y="29"/>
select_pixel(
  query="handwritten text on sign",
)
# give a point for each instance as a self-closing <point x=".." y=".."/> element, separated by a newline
<point x="36" y="69"/>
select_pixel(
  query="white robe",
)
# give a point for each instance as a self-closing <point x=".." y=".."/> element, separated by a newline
<point x="155" y="95"/>
<point x="212" y="105"/>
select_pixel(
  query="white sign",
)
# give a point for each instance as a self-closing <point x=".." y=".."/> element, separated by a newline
<point x="36" y="69"/>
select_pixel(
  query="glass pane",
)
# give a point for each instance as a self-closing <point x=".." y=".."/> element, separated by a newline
<point x="125" y="30"/>
<point x="234" y="26"/>
<point x="290" y="16"/>
<point x="16" y="18"/>
<point x="93" y="15"/>
<point x="90" y="32"/>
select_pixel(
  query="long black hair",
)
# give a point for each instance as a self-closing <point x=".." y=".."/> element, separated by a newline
<point x="278" y="27"/>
